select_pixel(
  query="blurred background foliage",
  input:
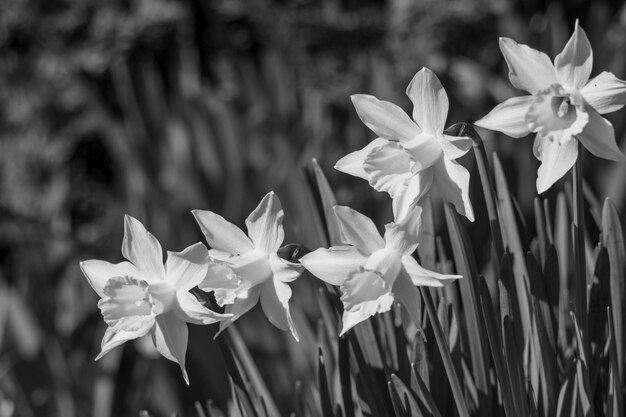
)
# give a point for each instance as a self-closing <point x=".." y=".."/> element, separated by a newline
<point x="156" y="107"/>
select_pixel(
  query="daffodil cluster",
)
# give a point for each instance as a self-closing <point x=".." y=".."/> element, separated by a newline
<point x="409" y="157"/>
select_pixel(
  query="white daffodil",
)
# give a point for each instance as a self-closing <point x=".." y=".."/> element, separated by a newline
<point x="563" y="105"/>
<point x="374" y="270"/>
<point x="410" y="156"/>
<point x="143" y="295"/>
<point x="250" y="266"/>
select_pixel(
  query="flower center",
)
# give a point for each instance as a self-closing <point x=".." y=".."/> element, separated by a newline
<point x="163" y="295"/>
<point x="125" y="297"/>
<point x="386" y="262"/>
<point x="557" y="114"/>
<point x="562" y="106"/>
<point x="252" y="267"/>
<point x="425" y="150"/>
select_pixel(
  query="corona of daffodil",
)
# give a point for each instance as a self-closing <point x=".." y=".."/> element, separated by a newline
<point x="249" y="267"/>
<point x="144" y="296"/>
<point x="372" y="271"/>
<point x="411" y="156"/>
<point x="563" y="108"/>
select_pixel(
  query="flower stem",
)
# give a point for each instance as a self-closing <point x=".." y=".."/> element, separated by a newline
<point x="444" y="350"/>
<point x="580" y="270"/>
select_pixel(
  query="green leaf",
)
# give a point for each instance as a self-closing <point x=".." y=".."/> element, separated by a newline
<point x="540" y="225"/>
<point x="539" y="293"/>
<point x="492" y="327"/>
<point x="404" y="364"/>
<point x="562" y="242"/>
<point x="566" y="405"/>
<point x="325" y="200"/>
<point x="366" y="379"/>
<point x="238" y="346"/>
<point x="614" y="401"/>
<point x="613" y="239"/>
<point x="599" y="301"/>
<point x="582" y="372"/>
<point x="552" y="279"/>
<point x="512" y="239"/>
<point x="546" y="363"/>
<point x="444" y="350"/>
<point x="466" y="266"/>
<point x="419" y="387"/>
<point x="322" y="384"/>
<point x="408" y="406"/>
<point x="427" y="246"/>
<point x="343" y="352"/>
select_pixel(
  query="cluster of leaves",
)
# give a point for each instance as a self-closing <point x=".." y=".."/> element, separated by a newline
<point x="154" y="108"/>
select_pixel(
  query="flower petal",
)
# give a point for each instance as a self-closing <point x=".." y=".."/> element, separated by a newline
<point x="556" y="160"/>
<point x="99" y="272"/>
<point x="409" y="296"/>
<point x="422" y="276"/>
<point x="384" y="118"/>
<point x="358" y="230"/>
<point x="416" y="188"/>
<point x="452" y="181"/>
<point x="142" y="249"/>
<point x="364" y="294"/>
<point x="223" y="281"/>
<point x="388" y="168"/>
<point x="114" y="338"/>
<point x="333" y="265"/>
<point x="275" y="297"/>
<point x="455" y="147"/>
<point x="598" y="137"/>
<point x="573" y="64"/>
<point x="605" y="93"/>
<point x="352" y="164"/>
<point x="430" y="101"/>
<point x="240" y="307"/>
<point x="186" y="269"/>
<point x="404" y="236"/>
<point x="221" y="234"/>
<point x="509" y="117"/>
<point x="190" y="310"/>
<point x="217" y="255"/>
<point x="529" y="69"/>
<point x="170" y="338"/>
<point x="265" y="224"/>
<point x="284" y="271"/>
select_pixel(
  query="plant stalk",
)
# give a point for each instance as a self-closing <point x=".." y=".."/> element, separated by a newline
<point x="580" y="270"/>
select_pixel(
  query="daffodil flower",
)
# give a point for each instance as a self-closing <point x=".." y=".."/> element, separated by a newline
<point x="250" y="264"/>
<point x="144" y="296"/>
<point x="374" y="270"/>
<point x="563" y="108"/>
<point x="410" y="156"/>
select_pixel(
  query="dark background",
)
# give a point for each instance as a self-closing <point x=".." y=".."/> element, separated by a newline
<point x="155" y="107"/>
